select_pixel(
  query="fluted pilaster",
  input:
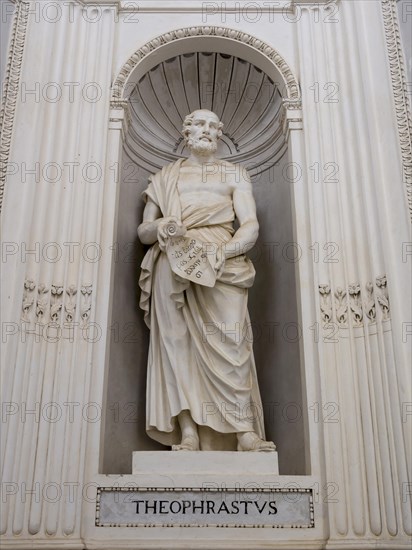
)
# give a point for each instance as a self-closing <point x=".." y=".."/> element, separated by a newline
<point x="362" y="360"/>
<point x="49" y="355"/>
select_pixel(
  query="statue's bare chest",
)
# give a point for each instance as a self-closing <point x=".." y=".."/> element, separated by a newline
<point x="207" y="181"/>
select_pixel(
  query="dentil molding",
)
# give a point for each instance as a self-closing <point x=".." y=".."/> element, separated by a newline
<point x="400" y="90"/>
<point x="11" y="85"/>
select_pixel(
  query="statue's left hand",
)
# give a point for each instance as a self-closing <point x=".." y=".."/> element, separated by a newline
<point x="220" y="260"/>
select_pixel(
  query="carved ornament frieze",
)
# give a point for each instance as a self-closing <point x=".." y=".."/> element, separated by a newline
<point x="56" y="304"/>
<point x="355" y="305"/>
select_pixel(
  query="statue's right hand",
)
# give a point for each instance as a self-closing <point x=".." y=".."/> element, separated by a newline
<point x="169" y="227"/>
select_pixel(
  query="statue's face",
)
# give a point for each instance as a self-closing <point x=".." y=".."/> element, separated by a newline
<point x="204" y="132"/>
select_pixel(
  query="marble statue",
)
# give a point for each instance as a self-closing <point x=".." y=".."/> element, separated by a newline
<point x="202" y="391"/>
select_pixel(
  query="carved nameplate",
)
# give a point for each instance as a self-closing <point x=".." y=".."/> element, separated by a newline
<point x="201" y="507"/>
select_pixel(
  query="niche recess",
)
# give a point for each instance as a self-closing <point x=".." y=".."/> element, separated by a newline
<point x="250" y="105"/>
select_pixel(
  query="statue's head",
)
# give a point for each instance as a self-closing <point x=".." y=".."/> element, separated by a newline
<point x="201" y="130"/>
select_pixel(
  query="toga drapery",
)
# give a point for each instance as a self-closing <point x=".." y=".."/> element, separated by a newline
<point x="200" y="355"/>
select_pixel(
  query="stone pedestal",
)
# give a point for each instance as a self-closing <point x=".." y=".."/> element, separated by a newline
<point x="204" y="489"/>
<point x="224" y="463"/>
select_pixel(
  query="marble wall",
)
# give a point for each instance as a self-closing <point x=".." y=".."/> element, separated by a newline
<point x="346" y="105"/>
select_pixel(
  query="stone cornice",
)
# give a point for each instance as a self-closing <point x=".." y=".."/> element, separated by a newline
<point x="195" y="6"/>
<point x="314" y="2"/>
<point x="115" y="3"/>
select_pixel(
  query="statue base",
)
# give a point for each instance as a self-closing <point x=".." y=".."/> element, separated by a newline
<point x="213" y="489"/>
<point x="230" y="463"/>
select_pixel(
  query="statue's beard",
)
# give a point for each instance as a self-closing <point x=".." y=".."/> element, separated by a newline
<point x="201" y="147"/>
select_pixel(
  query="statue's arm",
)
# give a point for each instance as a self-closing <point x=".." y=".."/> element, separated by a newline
<point x="154" y="226"/>
<point x="245" y="209"/>
<point x="147" y="230"/>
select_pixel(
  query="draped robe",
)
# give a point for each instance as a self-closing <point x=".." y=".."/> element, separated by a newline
<point x="201" y="354"/>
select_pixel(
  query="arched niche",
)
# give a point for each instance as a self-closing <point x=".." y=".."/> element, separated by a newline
<point x="273" y="299"/>
<point x="207" y="39"/>
<point x="242" y="95"/>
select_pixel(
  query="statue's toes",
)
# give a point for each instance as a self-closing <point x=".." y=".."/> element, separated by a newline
<point x="182" y="448"/>
<point x="252" y="442"/>
<point x="188" y="444"/>
<point x="267" y="446"/>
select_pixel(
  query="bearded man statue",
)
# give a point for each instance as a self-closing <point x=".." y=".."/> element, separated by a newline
<point x="202" y="390"/>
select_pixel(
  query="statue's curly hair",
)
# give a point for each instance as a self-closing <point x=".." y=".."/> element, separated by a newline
<point x="188" y="121"/>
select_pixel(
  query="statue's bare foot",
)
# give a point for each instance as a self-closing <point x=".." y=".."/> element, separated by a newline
<point x="250" y="441"/>
<point x="189" y="443"/>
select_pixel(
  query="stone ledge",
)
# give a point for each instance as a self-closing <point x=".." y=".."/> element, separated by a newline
<point x="205" y="462"/>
